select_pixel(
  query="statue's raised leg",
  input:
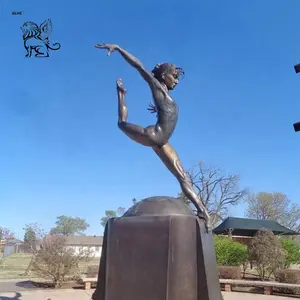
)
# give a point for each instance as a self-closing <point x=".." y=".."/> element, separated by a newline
<point x="135" y="132"/>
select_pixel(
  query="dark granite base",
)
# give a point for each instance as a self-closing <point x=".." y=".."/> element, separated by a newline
<point x="157" y="257"/>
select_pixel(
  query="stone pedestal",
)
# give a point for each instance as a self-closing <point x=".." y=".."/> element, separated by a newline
<point x="157" y="251"/>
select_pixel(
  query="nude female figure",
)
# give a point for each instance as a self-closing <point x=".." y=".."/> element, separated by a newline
<point x="161" y="80"/>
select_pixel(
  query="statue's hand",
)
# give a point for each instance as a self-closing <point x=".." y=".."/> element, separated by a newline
<point x="152" y="108"/>
<point x="110" y="47"/>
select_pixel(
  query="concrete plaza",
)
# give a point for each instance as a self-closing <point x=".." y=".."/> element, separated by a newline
<point x="72" y="294"/>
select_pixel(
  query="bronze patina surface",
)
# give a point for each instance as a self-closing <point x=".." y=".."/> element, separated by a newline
<point x="163" y="78"/>
<point x="158" y="250"/>
<point x="158" y="206"/>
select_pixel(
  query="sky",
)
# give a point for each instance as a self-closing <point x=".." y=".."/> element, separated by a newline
<point x="61" y="150"/>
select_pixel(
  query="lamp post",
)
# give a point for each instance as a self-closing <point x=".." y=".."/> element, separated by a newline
<point x="297" y="68"/>
<point x="297" y="124"/>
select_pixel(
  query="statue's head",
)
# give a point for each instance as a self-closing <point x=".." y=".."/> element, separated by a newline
<point x="168" y="74"/>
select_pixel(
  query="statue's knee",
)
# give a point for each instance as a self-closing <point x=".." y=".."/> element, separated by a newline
<point x="121" y="124"/>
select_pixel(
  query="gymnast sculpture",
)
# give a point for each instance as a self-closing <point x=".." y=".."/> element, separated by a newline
<point x="161" y="80"/>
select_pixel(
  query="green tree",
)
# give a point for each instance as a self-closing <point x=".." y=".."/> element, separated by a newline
<point x="66" y="225"/>
<point x="29" y="236"/>
<point x="114" y="213"/>
<point x="111" y="214"/>
<point x="274" y="206"/>
<point x="292" y="252"/>
<point x="33" y="235"/>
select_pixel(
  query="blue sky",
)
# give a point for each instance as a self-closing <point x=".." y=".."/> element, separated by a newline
<point x="61" y="150"/>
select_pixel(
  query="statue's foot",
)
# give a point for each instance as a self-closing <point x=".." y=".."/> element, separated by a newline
<point x="205" y="217"/>
<point x="120" y="87"/>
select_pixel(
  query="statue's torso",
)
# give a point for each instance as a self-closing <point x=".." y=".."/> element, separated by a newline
<point x="167" y="115"/>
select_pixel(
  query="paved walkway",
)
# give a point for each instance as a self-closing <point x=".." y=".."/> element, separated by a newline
<point x="16" y="285"/>
<point x="86" y="295"/>
<point x="47" y="294"/>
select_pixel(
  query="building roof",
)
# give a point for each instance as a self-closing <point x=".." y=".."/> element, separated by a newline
<point x="78" y="240"/>
<point x="12" y="242"/>
<point x="249" y="227"/>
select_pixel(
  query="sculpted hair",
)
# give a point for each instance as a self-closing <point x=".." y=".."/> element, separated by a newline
<point x="166" y="68"/>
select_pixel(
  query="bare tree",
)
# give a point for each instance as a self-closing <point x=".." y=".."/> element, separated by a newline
<point x="56" y="261"/>
<point x="6" y="235"/>
<point x="217" y="190"/>
<point x="274" y="206"/>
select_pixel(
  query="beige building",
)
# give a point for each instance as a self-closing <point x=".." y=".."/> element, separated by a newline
<point x="84" y="243"/>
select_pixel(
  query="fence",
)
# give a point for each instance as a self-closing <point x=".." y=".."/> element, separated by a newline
<point x="17" y="248"/>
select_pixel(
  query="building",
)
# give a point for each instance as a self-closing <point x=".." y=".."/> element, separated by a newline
<point x="243" y="230"/>
<point x="83" y="243"/>
<point x="16" y="246"/>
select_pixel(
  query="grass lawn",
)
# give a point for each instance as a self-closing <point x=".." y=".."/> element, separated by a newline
<point x="14" y="266"/>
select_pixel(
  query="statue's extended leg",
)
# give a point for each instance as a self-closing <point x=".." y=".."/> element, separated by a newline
<point x="135" y="132"/>
<point x="170" y="158"/>
<point x="122" y="108"/>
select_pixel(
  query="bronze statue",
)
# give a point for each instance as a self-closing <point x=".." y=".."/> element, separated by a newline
<point x="161" y="80"/>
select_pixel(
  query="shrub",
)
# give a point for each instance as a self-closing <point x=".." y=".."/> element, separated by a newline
<point x="229" y="252"/>
<point x="292" y="252"/>
<point x="230" y="272"/>
<point x="288" y="276"/>
<point x="92" y="271"/>
<point x="56" y="261"/>
<point x="266" y="253"/>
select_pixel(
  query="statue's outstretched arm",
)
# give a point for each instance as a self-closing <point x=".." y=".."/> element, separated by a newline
<point x="133" y="61"/>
